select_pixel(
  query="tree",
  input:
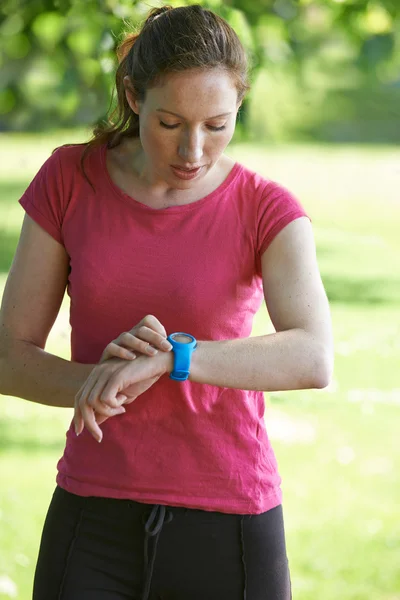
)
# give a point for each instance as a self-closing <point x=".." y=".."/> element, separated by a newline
<point x="57" y="57"/>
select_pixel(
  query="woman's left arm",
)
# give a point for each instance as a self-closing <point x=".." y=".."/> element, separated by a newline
<point x="300" y="354"/>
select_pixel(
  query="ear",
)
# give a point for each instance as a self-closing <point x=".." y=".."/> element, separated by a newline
<point x="131" y="95"/>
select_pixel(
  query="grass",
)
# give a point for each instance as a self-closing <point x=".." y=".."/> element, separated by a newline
<point x="337" y="448"/>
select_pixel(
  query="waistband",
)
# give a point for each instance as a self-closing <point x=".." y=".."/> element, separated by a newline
<point x="154" y="517"/>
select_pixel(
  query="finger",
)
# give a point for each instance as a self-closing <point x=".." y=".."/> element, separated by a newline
<point x="90" y="421"/>
<point x="86" y="411"/>
<point x="138" y="343"/>
<point x="147" y="341"/>
<point x="80" y="398"/>
<point x="156" y="340"/>
<point x="153" y="332"/>
<point x="153" y="323"/>
<point x="103" y="406"/>
<point x="100" y="419"/>
<point x="97" y="387"/>
<point x="103" y="411"/>
<point x="113" y="350"/>
<point x="114" y="388"/>
<point x="107" y="412"/>
<point x="78" y="419"/>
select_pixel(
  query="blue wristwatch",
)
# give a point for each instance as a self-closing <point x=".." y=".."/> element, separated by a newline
<point x="183" y="345"/>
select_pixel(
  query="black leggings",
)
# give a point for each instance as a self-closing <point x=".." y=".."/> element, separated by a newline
<point x="106" y="549"/>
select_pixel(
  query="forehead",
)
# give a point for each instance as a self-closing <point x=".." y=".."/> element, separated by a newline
<point x="189" y="93"/>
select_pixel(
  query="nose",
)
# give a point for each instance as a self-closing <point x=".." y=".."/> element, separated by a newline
<point x="191" y="146"/>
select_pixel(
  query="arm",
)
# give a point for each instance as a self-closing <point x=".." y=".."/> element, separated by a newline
<point x="31" y="301"/>
<point x="300" y="354"/>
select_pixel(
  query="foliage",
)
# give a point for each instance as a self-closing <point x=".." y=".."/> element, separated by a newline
<point x="57" y="57"/>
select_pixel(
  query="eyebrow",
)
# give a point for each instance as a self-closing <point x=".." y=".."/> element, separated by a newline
<point x="180" y="116"/>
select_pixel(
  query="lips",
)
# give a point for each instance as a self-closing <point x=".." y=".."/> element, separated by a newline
<point x="187" y="174"/>
<point x="186" y="169"/>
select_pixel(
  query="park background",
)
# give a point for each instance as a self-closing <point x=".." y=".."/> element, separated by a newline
<point x="322" y="118"/>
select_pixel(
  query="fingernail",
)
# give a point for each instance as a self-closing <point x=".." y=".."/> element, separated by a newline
<point x="152" y="350"/>
<point x="166" y="345"/>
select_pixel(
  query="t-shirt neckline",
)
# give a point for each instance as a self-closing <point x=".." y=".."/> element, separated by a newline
<point x="171" y="209"/>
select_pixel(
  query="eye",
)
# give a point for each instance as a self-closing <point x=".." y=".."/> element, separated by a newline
<point x="169" y="126"/>
<point x="211" y="127"/>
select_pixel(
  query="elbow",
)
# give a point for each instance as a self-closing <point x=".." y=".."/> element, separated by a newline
<point x="3" y="371"/>
<point x="323" y="368"/>
<point x="3" y="366"/>
<point x="7" y="354"/>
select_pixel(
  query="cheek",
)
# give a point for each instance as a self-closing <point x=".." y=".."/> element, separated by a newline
<point x="158" y="147"/>
<point x="219" y="141"/>
<point x="147" y="138"/>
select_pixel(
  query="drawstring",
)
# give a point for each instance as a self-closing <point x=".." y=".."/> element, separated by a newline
<point x="166" y="516"/>
<point x="243" y="559"/>
<point x="148" y="571"/>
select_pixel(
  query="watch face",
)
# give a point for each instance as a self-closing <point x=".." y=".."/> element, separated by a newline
<point x="182" y="338"/>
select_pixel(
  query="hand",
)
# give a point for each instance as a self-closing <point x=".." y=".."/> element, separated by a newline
<point x="98" y="412"/>
<point x="145" y="338"/>
<point x="112" y="384"/>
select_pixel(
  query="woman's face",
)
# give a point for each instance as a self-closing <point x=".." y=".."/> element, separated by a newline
<point x="186" y="124"/>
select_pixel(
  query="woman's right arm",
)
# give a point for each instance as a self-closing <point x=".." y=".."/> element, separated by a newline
<point x="32" y="298"/>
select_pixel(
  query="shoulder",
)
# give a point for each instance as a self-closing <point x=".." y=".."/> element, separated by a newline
<point x="72" y="154"/>
<point x="267" y="205"/>
<point x="55" y="180"/>
<point x="263" y="193"/>
<point x="76" y="163"/>
<point x="62" y="162"/>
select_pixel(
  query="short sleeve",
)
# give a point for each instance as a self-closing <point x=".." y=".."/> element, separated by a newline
<point x="43" y="200"/>
<point x="277" y="208"/>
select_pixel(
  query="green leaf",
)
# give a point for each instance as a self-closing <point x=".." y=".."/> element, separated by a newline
<point x="49" y="28"/>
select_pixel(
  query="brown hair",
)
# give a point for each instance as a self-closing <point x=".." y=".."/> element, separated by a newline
<point x="171" y="40"/>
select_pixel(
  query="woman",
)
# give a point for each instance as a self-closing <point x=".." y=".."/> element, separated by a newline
<point x="156" y="231"/>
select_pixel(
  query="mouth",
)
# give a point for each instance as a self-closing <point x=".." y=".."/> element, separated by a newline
<point x="184" y="173"/>
<point x="186" y="169"/>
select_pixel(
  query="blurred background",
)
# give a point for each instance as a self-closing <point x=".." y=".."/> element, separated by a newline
<point x="323" y="119"/>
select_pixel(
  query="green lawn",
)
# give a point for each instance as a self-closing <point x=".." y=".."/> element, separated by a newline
<point x="337" y="448"/>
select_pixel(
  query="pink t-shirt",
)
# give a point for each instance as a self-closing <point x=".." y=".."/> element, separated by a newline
<point x="197" y="269"/>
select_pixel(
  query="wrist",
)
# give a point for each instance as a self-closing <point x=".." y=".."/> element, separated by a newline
<point x="194" y="363"/>
<point x="167" y="361"/>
